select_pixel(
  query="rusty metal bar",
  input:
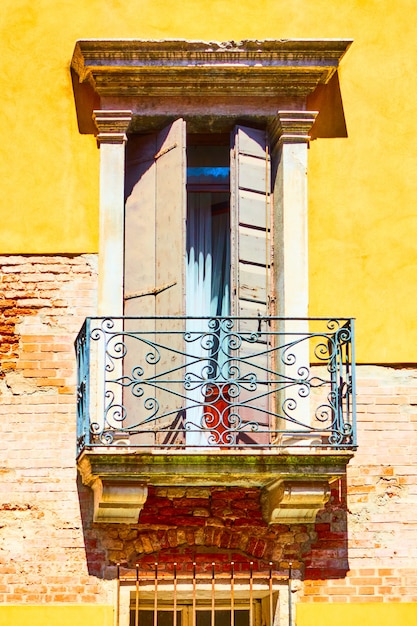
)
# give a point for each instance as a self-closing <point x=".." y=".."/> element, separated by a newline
<point x="155" y="600"/>
<point x="232" y="594"/>
<point x="212" y="596"/>
<point x="172" y="579"/>
<point x="118" y="595"/>
<point x="194" y="595"/>
<point x="251" y="593"/>
<point x="175" y="595"/>
<point x="137" y="596"/>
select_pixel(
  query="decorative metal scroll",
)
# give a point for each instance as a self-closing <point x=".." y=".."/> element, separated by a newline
<point x="228" y="383"/>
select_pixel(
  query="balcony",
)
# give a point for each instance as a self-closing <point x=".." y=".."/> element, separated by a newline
<point x="266" y="402"/>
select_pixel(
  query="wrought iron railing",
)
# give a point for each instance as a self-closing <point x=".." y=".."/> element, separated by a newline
<point x="177" y="382"/>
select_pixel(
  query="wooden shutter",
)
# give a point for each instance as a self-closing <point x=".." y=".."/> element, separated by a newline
<point x="140" y="250"/>
<point x="155" y="223"/>
<point x="251" y="268"/>
<point x="250" y="222"/>
<point x="155" y="264"/>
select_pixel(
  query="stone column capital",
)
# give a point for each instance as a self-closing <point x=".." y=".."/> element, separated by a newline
<point x="112" y="126"/>
<point x="292" y="126"/>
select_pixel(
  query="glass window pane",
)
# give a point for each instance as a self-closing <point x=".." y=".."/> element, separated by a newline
<point x="165" y="618"/>
<point x="223" y="618"/>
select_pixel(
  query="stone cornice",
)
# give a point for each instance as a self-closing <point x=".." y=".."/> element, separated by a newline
<point x="130" y="67"/>
<point x="237" y="468"/>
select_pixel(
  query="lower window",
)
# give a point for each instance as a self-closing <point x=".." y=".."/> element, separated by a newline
<point x="200" y="615"/>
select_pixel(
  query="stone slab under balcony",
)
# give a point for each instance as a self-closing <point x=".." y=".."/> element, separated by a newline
<point x="295" y="485"/>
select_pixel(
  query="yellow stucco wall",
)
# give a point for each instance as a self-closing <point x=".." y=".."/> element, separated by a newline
<point x="362" y="189"/>
<point x="58" y="615"/>
<point x="366" y="614"/>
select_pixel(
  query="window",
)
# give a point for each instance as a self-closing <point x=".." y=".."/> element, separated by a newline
<point x="140" y="85"/>
<point x="256" y="599"/>
<point x="202" y="615"/>
<point x="198" y="239"/>
<point x="198" y="243"/>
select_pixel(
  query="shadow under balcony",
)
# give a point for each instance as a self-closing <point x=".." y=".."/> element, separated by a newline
<point x="170" y="401"/>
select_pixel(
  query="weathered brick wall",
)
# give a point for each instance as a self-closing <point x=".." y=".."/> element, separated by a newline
<point x="381" y="521"/>
<point x="43" y="300"/>
<point x="363" y="547"/>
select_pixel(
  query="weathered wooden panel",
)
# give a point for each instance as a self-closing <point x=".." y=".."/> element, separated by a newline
<point x="252" y="141"/>
<point x="252" y="209"/>
<point x="250" y="219"/>
<point x="251" y="253"/>
<point x="252" y="172"/>
<point x="170" y="216"/>
<point x="170" y="160"/>
<point x="252" y="284"/>
<point x="140" y="250"/>
<point x="154" y="277"/>
<point x="252" y="247"/>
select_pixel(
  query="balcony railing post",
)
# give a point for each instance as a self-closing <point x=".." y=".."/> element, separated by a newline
<point x="82" y="348"/>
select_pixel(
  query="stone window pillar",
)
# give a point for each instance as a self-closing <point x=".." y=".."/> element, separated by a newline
<point x="112" y="127"/>
<point x="289" y="134"/>
<point x="290" y="139"/>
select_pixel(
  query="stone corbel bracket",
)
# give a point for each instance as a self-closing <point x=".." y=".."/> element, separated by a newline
<point x="117" y="500"/>
<point x="294" y="501"/>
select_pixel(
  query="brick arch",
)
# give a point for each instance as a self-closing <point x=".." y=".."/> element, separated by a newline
<point x="188" y="524"/>
<point x="208" y="544"/>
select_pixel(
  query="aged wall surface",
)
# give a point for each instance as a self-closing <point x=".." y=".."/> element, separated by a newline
<point x="362" y="548"/>
<point x="357" y="563"/>
<point x="381" y="499"/>
<point x="44" y="300"/>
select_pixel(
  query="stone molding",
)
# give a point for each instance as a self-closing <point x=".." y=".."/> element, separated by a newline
<point x="161" y="79"/>
<point x="112" y="126"/>
<point x="294" y="501"/>
<point x="292" y="126"/>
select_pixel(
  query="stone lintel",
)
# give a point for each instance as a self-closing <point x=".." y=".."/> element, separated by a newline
<point x="294" y="501"/>
<point x="292" y="126"/>
<point x="112" y="125"/>
<point x="202" y="71"/>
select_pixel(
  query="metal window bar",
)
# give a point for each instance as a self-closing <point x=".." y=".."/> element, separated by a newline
<point x="251" y="594"/>
<point x="161" y="581"/>
<point x="194" y="618"/>
<point x="289" y="595"/>
<point x="137" y="596"/>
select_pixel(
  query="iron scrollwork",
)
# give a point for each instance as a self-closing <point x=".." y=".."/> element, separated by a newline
<point x="225" y="382"/>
